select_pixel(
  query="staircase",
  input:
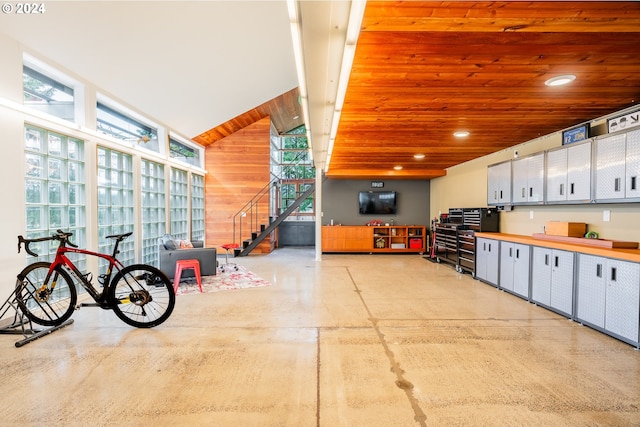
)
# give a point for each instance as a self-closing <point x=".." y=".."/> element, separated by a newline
<point x="260" y="231"/>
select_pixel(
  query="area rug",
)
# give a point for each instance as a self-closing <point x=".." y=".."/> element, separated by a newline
<point x="223" y="281"/>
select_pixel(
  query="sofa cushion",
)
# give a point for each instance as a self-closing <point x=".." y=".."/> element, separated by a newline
<point x="169" y="243"/>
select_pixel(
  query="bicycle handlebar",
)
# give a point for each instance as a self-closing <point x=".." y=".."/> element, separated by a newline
<point x="60" y="236"/>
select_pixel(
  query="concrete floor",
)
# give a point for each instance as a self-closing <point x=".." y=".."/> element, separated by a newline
<point x="353" y="340"/>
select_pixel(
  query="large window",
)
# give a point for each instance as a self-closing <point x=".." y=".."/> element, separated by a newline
<point x="47" y="94"/>
<point x="55" y="190"/>
<point x="125" y="127"/>
<point x="296" y="171"/>
<point x="179" y="204"/>
<point x="115" y="202"/>
<point x="197" y="207"/>
<point x="153" y="209"/>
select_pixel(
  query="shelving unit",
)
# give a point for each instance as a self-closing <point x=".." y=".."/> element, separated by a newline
<point x="374" y="239"/>
<point x="399" y="238"/>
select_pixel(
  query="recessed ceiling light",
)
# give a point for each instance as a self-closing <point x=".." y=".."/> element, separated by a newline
<point x="461" y="134"/>
<point x="418" y="156"/>
<point x="296" y="117"/>
<point x="398" y="167"/>
<point x="560" y="80"/>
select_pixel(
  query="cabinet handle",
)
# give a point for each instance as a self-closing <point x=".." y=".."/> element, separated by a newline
<point x="523" y="192"/>
<point x="546" y="259"/>
<point x="572" y="189"/>
<point x="616" y="185"/>
<point x="500" y="194"/>
<point x="510" y="252"/>
<point x="613" y="274"/>
<point x="530" y="191"/>
<point x="495" y="195"/>
<point x="518" y="253"/>
<point x="633" y="183"/>
<point x="599" y="270"/>
<point x="556" y="261"/>
<point x="562" y="189"/>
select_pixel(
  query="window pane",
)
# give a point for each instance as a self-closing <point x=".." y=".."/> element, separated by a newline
<point x="34" y="217"/>
<point x="55" y="145"/>
<point x="183" y="152"/>
<point x="33" y="190"/>
<point x="55" y="192"/>
<point x="45" y="93"/>
<point x="122" y="126"/>
<point x="35" y="165"/>
<point x="55" y="169"/>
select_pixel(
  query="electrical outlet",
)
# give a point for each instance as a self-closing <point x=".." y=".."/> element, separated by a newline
<point x="530" y="214"/>
<point x="606" y="215"/>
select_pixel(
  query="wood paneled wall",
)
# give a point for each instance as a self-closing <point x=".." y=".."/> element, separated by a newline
<point x="237" y="168"/>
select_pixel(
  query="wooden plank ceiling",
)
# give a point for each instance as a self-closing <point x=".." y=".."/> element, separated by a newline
<point x="424" y="70"/>
<point x="285" y="111"/>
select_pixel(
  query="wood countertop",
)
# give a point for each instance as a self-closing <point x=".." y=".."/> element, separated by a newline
<point x="623" y="254"/>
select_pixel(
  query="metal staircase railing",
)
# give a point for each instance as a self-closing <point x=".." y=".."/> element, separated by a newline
<point x="251" y="215"/>
<point x="250" y="244"/>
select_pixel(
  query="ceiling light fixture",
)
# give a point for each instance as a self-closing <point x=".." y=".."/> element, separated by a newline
<point x="461" y="134"/>
<point x="397" y="167"/>
<point x="418" y="156"/>
<point x="560" y="80"/>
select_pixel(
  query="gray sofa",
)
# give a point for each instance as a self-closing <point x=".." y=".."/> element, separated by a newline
<point x="168" y="257"/>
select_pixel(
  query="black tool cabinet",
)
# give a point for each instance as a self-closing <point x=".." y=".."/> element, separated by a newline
<point x="455" y="240"/>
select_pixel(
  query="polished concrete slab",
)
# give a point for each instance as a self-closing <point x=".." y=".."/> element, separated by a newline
<point x="353" y="340"/>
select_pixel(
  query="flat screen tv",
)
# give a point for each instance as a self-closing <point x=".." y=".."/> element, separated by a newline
<point x="378" y="202"/>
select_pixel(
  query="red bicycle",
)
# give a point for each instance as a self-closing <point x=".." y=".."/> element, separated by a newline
<point x="140" y="295"/>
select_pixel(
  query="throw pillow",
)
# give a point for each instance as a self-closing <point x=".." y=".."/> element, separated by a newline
<point x="169" y="243"/>
<point x="185" y="244"/>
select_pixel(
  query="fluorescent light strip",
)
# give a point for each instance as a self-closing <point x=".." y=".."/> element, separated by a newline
<point x="356" y="14"/>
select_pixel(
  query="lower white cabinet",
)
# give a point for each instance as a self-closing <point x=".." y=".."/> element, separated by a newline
<point x="487" y="260"/>
<point x="552" y="279"/>
<point x="514" y="268"/>
<point x="608" y="296"/>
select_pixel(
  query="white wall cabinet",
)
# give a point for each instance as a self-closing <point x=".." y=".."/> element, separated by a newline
<point x="499" y="184"/>
<point x="552" y="279"/>
<point x="528" y="179"/>
<point x="608" y="296"/>
<point x="618" y="167"/>
<point x="514" y="268"/>
<point x="569" y="174"/>
<point x="487" y="260"/>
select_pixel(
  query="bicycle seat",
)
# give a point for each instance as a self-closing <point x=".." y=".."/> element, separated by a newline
<point x="120" y="236"/>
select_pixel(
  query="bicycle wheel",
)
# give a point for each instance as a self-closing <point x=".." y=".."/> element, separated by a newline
<point x="47" y="304"/>
<point x="142" y="296"/>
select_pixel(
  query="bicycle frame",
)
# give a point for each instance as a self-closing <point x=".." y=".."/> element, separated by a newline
<point x="62" y="260"/>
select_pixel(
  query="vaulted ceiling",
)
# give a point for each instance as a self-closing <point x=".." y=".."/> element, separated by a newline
<point x="421" y="71"/>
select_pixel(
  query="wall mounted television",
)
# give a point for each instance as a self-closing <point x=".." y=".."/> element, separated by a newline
<point x="378" y="202"/>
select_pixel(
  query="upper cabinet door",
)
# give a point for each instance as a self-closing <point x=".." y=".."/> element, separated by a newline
<point x="557" y="175"/>
<point x="632" y="184"/>
<point x="569" y="174"/>
<point x="610" y="167"/>
<point x="499" y="184"/>
<point x="528" y="179"/>
<point x="579" y="172"/>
